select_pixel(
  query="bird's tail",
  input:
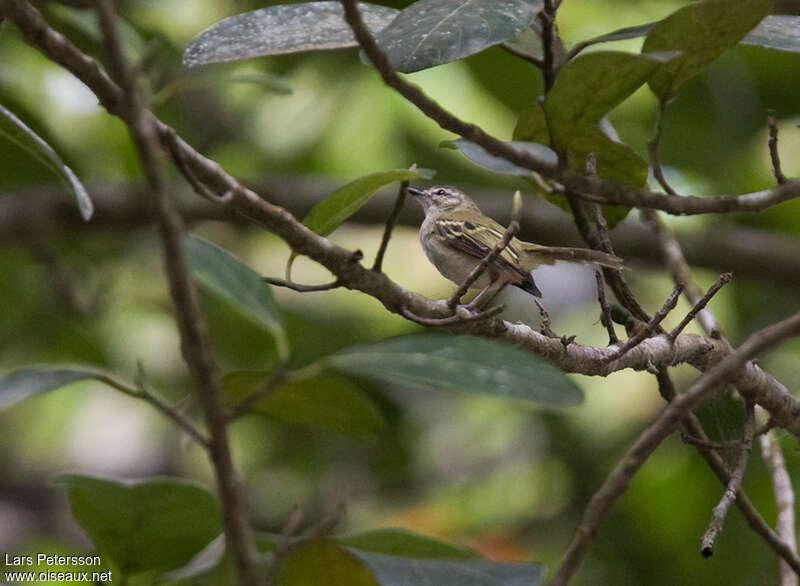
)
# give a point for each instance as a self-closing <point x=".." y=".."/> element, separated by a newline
<point x="550" y="254"/>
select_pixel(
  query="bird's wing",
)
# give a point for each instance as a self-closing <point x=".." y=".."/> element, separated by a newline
<point x="478" y="239"/>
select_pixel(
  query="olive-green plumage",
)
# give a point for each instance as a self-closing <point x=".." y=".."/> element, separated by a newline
<point x="456" y="236"/>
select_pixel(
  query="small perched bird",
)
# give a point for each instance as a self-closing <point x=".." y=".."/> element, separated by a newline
<point x="456" y="236"/>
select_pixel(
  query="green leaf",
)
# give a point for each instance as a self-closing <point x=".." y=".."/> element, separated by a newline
<point x="701" y="31"/>
<point x="267" y="81"/>
<point x="276" y="30"/>
<point x="402" y="542"/>
<point x="326" y="563"/>
<point x="18" y="385"/>
<point x="478" y="155"/>
<point x="326" y="400"/>
<point x="390" y="570"/>
<point x="329" y="214"/>
<point x="227" y="277"/>
<point x="629" y="32"/>
<point x="18" y="132"/>
<point x="776" y="31"/>
<point x="142" y="525"/>
<point x="528" y="42"/>
<point x="464" y="363"/>
<point x="615" y="161"/>
<point x="433" y="32"/>
<point x="590" y="86"/>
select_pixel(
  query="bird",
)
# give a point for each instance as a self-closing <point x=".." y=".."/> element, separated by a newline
<point x="456" y="236"/>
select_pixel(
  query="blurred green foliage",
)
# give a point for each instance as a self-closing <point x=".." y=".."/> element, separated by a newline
<point x="507" y="481"/>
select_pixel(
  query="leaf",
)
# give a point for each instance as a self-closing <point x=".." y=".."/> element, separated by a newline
<point x="433" y="32"/>
<point x="701" y="31"/>
<point x="327" y="400"/>
<point x="18" y="132"/>
<point x="629" y="32"/>
<point x="392" y="570"/>
<point x="615" y="161"/>
<point x="227" y="277"/>
<point x="478" y="155"/>
<point x="528" y="42"/>
<point x="326" y="563"/>
<point x="150" y="524"/>
<point x="276" y="30"/>
<point x="590" y="86"/>
<point x="18" y="385"/>
<point x="464" y="363"/>
<point x="776" y="31"/>
<point x="402" y="542"/>
<point x="268" y="81"/>
<point x="329" y="213"/>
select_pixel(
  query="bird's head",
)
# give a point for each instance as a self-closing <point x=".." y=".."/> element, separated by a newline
<point x="441" y="198"/>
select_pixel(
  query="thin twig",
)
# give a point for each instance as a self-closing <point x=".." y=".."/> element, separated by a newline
<point x="302" y="288"/>
<point x="535" y="61"/>
<point x="653" y="146"/>
<point x="605" y="311"/>
<point x="691" y="426"/>
<point x="784" y="501"/>
<point x="451" y="320"/>
<point x="681" y="272"/>
<point x="546" y="324"/>
<point x="275" y="379"/>
<point x="711" y="445"/>
<point x="773" y="147"/>
<point x="284" y="546"/>
<point x="619" y="479"/>
<point x="191" y="325"/>
<point x="547" y="17"/>
<point x="659" y="316"/>
<point x="480" y="268"/>
<point x="721" y="510"/>
<point x="199" y="187"/>
<point x="377" y="266"/>
<point x="723" y="280"/>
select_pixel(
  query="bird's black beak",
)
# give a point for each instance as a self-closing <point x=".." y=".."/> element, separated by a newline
<point x="414" y="191"/>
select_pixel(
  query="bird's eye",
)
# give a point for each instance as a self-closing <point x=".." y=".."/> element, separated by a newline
<point x="440" y="192"/>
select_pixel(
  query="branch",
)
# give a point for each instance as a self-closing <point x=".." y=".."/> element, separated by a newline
<point x="192" y="327"/>
<point x="652" y="146"/>
<point x="784" y="499"/>
<point x="590" y="189"/>
<point x="691" y="426"/>
<point x="721" y="510"/>
<point x="774" y="156"/>
<point x="390" y="224"/>
<point x="605" y="312"/>
<point x="648" y="329"/>
<point x="723" y="280"/>
<point x="618" y="480"/>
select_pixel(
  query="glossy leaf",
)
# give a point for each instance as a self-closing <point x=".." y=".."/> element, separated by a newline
<point x="592" y="85"/>
<point x="629" y="32"/>
<point x="227" y="277"/>
<point x="433" y="32"/>
<point x="463" y="363"/>
<point x="275" y="30"/>
<point x="776" y="31"/>
<point x="701" y="31"/>
<point x="527" y="42"/>
<point x="327" y="401"/>
<point x="19" y="133"/>
<point x="402" y="542"/>
<point x="329" y="213"/>
<point x="18" y="385"/>
<point x="143" y="525"/>
<point x="390" y="570"/>
<point x="478" y="155"/>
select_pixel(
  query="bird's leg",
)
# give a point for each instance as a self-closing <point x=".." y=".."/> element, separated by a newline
<point x="496" y="293"/>
<point x="472" y="304"/>
<point x="545" y="329"/>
